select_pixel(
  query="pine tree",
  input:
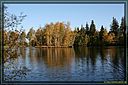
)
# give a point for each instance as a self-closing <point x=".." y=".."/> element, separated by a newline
<point x="114" y="26"/>
<point x="101" y="33"/>
<point x="92" y="28"/>
<point x="87" y="29"/>
<point x="123" y="26"/>
<point x="122" y="31"/>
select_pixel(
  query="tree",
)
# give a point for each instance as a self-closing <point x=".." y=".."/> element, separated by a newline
<point x="11" y="21"/>
<point x="101" y="33"/>
<point x="48" y="33"/>
<point x="109" y="38"/>
<point x="30" y="33"/>
<point x="92" y="28"/>
<point x="32" y="37"/>
<point x="5" y="34"/>
<point x="87" y="29"/>
<point x="62" y="32"/>
<point x="83" y="30"/>
<point x="40" y="37"/>
<point x="94" y="35"/>
<point x="58" y="34"/>
<point x="114" y="26"/>
<point x="81" y="38"/>
<point x="23" y="38"/>
<point x="85" y="40"/>
<point x="123" y="25"/>
<point x="69" y="37"/>
<point x="122" y="32"/>
<point x="77" y="38"/>
<point x="105" y="37"/>
<point x="11" y="33"/>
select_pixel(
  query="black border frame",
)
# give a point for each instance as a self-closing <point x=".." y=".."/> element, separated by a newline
<point x="60" y="2"/>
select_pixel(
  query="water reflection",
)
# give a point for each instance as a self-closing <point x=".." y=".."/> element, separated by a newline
<point x="72" y="64"/>
<point x="56" y="57"/>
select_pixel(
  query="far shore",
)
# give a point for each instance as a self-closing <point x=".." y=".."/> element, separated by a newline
<point x="5" y="47"/>
<point x="53" y="46"/>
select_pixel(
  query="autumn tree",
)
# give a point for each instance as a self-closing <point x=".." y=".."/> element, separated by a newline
<point x="40" y="37"/>
<point x="48" y="33"/>
<point x="23" y="38"/>
<point x="56" y="34"/>
<point x="109" y="38"/>
<point x="5" y="36"/>
<point x="62" y="32"/>
<point x="105" y="35"/>
<point x="69" y="37"/>
<point x="12" y="25"/>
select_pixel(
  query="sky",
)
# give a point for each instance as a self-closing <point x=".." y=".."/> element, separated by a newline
<point x="77" y="14"/>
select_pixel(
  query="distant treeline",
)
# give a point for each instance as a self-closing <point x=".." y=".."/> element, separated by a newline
<point x="60" y="34"/>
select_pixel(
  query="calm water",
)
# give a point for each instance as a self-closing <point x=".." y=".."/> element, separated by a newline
<point x="69" y="64"/>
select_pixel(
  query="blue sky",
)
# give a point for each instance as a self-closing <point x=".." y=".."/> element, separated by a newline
<point x="77" y="14"/>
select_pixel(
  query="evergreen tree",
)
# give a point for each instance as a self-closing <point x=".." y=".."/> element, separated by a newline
<point x="92" y="28"/>
<point x="82" y="29"/>
<point x="81" y="38"/>
<point x="122" y="31"/>
<point x="114" y="26"/>
<point x="93" y="35"/>
<point x="87" y="29"/>
<point x="101" y="33"/>
<point x="123" y="26"/>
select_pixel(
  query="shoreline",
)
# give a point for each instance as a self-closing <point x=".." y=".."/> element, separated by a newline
<point x="53" y="46"/>
<point x="68" y="46"/>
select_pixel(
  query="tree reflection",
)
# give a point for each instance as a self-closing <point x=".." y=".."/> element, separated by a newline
<point x="118" y="63"/>
<point x="88" y="53"/>
<point x="93" y="55"/>
<point x="103" y="54"/>
<point x="56" y="57"/>
<point x="23" y="52"/>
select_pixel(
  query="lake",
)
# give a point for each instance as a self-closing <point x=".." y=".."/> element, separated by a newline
<point x="68" y="64"/>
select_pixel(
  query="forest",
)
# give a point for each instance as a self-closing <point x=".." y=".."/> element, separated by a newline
<point x="60" y="34"/>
